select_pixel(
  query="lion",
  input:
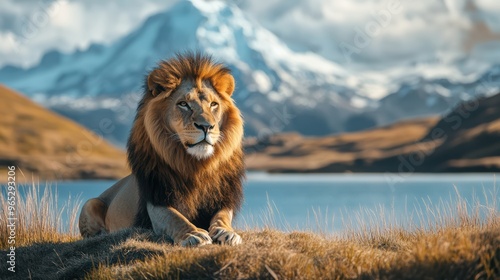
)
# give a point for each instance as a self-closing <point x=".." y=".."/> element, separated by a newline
<point x="186" y="157"/>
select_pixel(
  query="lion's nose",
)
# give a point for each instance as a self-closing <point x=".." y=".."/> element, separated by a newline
<point x="204" y="127"/>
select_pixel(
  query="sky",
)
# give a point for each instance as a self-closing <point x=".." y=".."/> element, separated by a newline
<point x="372" y="31"/>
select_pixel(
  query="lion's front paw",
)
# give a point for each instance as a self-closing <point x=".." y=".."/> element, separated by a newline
<point x="224" y="236"/>
<point x="196" y="238"/>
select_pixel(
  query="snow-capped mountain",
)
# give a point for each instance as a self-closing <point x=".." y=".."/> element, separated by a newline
<point x="417" y="95"/>
<point x="261" y="62"/>
<point x="272" y="81"/>
<point x="277" y="89"/>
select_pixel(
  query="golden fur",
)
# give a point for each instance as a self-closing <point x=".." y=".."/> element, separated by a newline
<point x="185" y="152"/>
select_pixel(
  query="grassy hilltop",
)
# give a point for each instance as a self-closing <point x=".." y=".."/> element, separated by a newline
<point x="462" y="243"/>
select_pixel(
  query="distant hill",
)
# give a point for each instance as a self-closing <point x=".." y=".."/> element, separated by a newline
<point x="465" y="140"/>
<point x="337" y="153"/>
<point x="471" y="140"/>
<point x="49" y="146"/>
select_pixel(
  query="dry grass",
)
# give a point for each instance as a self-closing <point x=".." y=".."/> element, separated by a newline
<point x="39" y="219"/>
<point x="463" y="242"/>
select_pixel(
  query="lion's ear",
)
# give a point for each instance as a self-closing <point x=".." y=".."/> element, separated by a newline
<point x="159" y="82"/>
<point x="223" y="83"/>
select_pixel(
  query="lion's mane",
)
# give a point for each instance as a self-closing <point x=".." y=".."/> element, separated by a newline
<point x="165" y="173"/>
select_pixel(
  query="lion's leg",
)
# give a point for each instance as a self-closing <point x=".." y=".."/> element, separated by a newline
<point x="220" y="229"/>
<point x="91" y="220"/>
<point x="167" y="220"/>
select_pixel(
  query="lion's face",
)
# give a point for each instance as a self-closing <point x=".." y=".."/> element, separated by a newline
<point x="194" y="117"/>
<point x="187" y="111"/>
<point x="191" y="116"/>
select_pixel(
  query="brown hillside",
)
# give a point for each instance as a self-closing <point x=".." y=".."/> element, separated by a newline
<point x="471" y="138"/>
<point x="49" y="146"/>
<point x="465" y="140"/>
<point x="354" y="152"/>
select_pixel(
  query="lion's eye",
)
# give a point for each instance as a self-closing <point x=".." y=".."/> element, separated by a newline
<point x="214" y="104"/>
<point x="183" y="104"/>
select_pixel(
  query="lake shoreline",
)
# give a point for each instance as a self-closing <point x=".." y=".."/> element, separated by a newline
<point x="460" y="243"/>
<point x="260" y="173"/>
<point x="297" y="197"/>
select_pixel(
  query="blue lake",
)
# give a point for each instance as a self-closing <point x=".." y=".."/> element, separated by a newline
<point x="335" y="202"/>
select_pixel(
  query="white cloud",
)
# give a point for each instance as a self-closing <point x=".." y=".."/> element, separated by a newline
<point x="416" y="28"/>
<point x="8" y="40"/>
<point x="41" y="25"/>
<point x="420" y="28"/>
